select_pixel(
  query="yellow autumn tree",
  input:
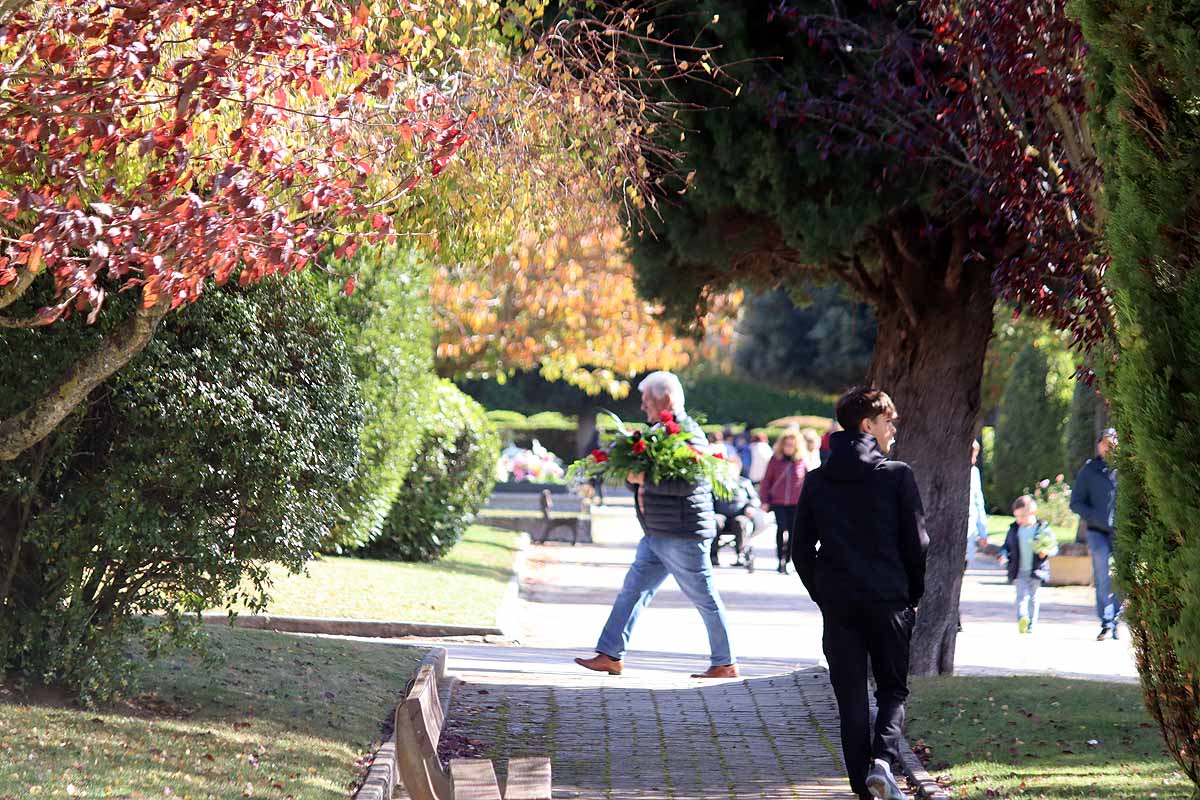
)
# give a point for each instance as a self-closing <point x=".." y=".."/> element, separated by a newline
<point x="565" y="304"/>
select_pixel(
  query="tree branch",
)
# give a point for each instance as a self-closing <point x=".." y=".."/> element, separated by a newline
<point x="11" y="292"/>
<point x="889" y="255"/>
<point x="23" y="430"/>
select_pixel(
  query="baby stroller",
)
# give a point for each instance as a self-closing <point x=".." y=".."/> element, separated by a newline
<point x="738" y="532"/>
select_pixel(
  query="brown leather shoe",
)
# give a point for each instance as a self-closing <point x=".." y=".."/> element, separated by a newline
<point x="601" y="663"/>
<point x="726" y="671"/>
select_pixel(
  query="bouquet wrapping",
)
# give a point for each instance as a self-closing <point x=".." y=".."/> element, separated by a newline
<point x="662" y="453"/>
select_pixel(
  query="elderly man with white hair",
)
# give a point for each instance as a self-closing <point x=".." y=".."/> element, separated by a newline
<point x="678" y="523"/>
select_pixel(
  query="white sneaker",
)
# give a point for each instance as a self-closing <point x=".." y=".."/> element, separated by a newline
<point x="881" y="784"/>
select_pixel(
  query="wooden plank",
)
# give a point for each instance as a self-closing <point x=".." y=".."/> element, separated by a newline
<point x="411" y="765"/>
<point x="528" y="779"/>
<point x="424" y="711"/>
<point x="474" y="779"/>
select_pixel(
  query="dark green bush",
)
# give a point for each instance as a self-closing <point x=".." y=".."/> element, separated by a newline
<point x="447" y="483"/>
<point x="1029" y="432"/>
<point x="388" y="336"/>
<point x="218" y="449"/>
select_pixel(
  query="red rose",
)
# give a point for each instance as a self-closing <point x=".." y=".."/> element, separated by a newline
<point x="666" y="416"/>
<point x="672" y="428"/>
<point x="639" y="446"/>
<point x="599" y="456"/>
<point x="719" y="455"/>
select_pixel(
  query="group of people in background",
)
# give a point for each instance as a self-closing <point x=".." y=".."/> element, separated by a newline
<point x="772" y="478"/>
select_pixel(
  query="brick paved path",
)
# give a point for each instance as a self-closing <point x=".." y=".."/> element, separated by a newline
<point x="653" y="733"/>
<point x="650" y="738"/>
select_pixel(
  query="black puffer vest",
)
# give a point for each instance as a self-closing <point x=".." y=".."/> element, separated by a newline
<point x="679" y="508"/>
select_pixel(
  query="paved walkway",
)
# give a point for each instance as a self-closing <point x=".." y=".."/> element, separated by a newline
<point x="656" y="733"/>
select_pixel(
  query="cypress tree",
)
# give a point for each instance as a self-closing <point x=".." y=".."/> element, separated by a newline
<point x="1029" y="434"/>
<point x="1144" y="60"/>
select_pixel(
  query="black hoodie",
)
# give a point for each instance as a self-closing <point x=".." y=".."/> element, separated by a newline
<point x="865" y="512"/>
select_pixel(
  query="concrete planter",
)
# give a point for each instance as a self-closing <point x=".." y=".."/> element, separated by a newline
<point x="1071" y="570"/>
<point x="610" y="524"/>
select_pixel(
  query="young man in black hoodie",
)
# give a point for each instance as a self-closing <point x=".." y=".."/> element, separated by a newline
<point x="867" y="577"/>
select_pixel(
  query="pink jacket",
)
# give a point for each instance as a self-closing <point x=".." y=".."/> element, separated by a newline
<point x="782" y="483"/>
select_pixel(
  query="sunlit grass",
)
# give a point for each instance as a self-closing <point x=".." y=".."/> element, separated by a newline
<point x="1046" y="738"/>
<point x="281" y="717"/>
<point x="464" y="588"/>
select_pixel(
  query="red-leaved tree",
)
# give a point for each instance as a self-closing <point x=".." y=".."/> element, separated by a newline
<point x="153" y="145"/>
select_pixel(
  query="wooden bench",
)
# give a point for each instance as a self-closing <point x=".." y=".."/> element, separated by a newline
<point x="549" y="523"/>
<point x="419" y="724"/>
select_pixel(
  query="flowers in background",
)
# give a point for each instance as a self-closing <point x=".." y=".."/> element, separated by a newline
<point x="536" y="465"/>
<point x="1054" y="503"/>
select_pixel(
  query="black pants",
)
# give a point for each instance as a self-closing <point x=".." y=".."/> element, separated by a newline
<point x="785" y="519"/>
<point x="852" y="633"/>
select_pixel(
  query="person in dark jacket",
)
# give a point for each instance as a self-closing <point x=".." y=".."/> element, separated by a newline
<point x="678" y="523"/>
<point x="859" y="548"/>
<point x="1094" y="499"/>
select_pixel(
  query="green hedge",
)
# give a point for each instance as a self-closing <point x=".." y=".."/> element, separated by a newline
<point x="219" y="449"/>
<point x="747" y="403"/>
<point x="554" y="431"/>
<point x="388" y="334"/>
<point x="447" y="482"/>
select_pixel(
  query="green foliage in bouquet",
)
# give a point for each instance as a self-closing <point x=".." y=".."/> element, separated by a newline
<point x="663" y="452"/>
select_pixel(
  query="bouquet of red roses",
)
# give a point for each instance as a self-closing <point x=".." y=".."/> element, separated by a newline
<point x="664" y="452"/>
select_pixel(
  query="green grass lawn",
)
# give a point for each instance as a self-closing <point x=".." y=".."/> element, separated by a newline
<point x="464" y="588"/>
<point x="1045" y="738"/>
<point x="281" y="717"/>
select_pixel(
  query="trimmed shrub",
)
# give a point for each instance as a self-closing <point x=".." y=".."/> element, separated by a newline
<point x="447" y="482"/>
<point x="554" y="431"/>
<point x="506" y="419"/>
<point x="219" y="449"/>
<point x="388" y="337"/>
<point x="1029" y="432"/>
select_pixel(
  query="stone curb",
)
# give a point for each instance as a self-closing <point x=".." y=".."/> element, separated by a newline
<point x="508" y="615"/>
<point x="383" y="777"/>
<point x="925" y="786"/>
<point x="349" y="627"/>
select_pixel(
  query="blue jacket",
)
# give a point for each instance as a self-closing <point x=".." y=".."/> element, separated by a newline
<point x="677" y="507"/>
<point x="1012" y="551"/>
<point x="1094" y="495"/>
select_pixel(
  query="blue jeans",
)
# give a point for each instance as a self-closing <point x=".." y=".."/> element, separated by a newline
<point x="688" y="561"/>
<point x="1028" y="604"/>
<point x="1108" y="602"/>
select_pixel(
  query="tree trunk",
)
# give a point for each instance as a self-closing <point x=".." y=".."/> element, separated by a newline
<point x="932" y="336"/>
<point x="28" y="427"/>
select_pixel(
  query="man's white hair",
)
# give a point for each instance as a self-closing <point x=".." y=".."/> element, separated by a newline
<point x="663" y="384"/>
